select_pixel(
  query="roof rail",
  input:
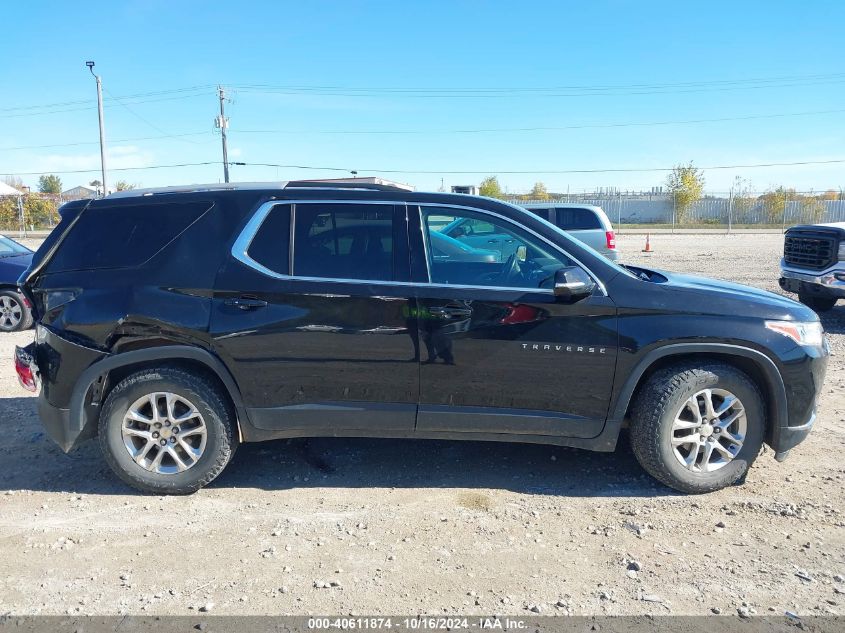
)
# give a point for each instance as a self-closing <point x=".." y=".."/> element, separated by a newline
<point x="218" y="186"/>
<point x="322" y="184"/>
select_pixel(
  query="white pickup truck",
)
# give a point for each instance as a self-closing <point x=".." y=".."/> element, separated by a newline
<point x="813" y="264"/>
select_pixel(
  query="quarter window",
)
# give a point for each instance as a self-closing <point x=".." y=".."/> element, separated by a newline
<point x="344" y="241"/>
<point x="271" y="245"/>
<point x="503" y="255"/>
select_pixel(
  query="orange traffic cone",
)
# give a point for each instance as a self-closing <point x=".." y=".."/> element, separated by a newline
<point x="647" y="248"/>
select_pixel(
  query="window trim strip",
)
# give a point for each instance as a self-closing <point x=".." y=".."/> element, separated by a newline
<point x="244" y="239"/>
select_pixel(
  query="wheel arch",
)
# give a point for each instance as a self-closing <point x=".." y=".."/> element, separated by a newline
<point x="103" y="375"/>
<point x="759" y="367"/>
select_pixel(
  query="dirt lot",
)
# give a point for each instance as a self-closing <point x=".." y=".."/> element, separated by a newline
<point x="433" y="527"/>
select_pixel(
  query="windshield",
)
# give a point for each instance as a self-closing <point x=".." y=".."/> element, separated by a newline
<point x="10" y="248"/>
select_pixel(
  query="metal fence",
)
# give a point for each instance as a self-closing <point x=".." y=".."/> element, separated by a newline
<point x="28" y="212"/>
<point x="758" y="210"/>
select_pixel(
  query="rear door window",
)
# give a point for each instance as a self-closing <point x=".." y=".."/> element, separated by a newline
<point x="123" y="235"/>
<point x="574" y="219"/>
<point x="345" y="241"/>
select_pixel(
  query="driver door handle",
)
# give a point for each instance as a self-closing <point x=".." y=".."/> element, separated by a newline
<point x="448" y="312"/>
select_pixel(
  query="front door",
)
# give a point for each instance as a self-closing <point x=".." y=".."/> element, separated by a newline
<point x="316" y="322"/>
<point x="501" y="354"/>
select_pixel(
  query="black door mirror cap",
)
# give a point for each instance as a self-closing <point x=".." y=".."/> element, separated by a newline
<point x="573" y="283"/>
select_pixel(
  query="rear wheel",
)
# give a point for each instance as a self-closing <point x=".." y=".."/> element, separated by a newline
<point x="167" y="431"/>
<point x="818" y="304"/>
<point x="697" y="428"/>
<point x="14" y="315"/>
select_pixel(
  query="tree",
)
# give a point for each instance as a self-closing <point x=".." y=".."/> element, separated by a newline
<point x="50" y="183"/>
<point x="685" y="184"/>
<point x="742" y="201"/>
<point x="538" y="192"/>
<point x="14" y="181"/>
<point x="95" y="183"/>
<point x="122" y="185"/>
<point x="490" y="187"/>
<point x="774" y="203"/>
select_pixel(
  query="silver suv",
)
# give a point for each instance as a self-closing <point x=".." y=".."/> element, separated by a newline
<point x="584" y="222"/>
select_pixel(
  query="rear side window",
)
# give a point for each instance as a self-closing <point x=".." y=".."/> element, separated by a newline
<point x="122" y="236"/>
<point x="271" y="245"/>
<point x="344" y="241"/>
<point x="577" y="219"/>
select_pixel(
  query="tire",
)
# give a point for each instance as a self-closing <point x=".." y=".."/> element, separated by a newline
<point x="663" y="399"/>
<point x="210" y="450"/>
<point x="818" y="304"/>
<point x="14" y="315"/>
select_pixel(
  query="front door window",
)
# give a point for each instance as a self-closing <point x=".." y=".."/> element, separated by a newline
<point x="471" y="248"/>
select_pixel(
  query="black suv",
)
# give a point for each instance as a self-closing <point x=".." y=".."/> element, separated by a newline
<point x="177" y="323"/>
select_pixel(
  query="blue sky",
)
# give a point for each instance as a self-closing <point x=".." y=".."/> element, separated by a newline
<point x="309" y="70"/>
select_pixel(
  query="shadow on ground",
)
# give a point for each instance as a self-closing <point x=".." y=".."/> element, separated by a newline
<point x="833" y="321"/>
<point x="32" y="462"/>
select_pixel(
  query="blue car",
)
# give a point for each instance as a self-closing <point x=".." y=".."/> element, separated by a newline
<point x="15" y="313"/>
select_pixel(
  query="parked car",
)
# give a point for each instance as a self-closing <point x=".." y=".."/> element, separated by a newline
<point x="584" y="222"/>
<point x="15" y="311"/>
<point x="813" y="264"/>
<point x="175" y="323"/>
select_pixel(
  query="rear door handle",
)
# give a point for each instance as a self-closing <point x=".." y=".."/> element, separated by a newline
<point x="448" y="312"/>
<point x="246" y="303"/>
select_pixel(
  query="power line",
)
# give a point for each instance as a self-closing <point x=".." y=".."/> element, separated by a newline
<point x="485" y="93"/>
<point x="88" y="171"/>
<point x="123" y="140"/>
<point x="147" y="121"/>
<point x="570" y="90"/>
<point x="156" y="93"/>
<point x="381" y="89"/>
<point x="538" y="171"/>
<point x="550" y="128"/>
<point x="456" y="131"/>
<point x="437" y="171"/>
<point x="108" y="105"/>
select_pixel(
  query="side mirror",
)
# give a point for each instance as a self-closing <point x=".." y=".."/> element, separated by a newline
<point x="573" y="283"/>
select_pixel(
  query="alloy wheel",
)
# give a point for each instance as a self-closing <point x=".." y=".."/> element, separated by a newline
<point x="11" y="312"/>
<point x="164" y="433"/>
<point x="709" y="430"/>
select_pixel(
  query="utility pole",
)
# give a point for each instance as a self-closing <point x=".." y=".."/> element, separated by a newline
<point x="222" y="122"/>
<point x="102" y="126"/>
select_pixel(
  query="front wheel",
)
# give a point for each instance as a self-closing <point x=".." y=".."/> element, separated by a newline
<point x="697" y="427"/>
<point x="167" y="431"/>
<point x="816" y="303"/>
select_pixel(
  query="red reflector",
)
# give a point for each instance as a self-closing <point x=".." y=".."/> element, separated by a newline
<point x="611" y="239"/>
<point x="25" y="375"/>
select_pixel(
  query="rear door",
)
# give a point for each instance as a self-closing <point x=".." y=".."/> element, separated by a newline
<point x="312" y="312"/>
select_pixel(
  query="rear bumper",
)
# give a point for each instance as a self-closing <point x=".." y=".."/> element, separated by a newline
<point x="57" y="423"/>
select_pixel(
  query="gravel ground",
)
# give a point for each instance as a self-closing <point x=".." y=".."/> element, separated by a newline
<point x="367" y="526"/>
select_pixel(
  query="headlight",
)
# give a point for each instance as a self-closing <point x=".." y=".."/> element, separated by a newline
<point x="810" y="334"/>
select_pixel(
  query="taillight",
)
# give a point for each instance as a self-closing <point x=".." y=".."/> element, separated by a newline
<point x="611" y="239"/>
<point x="24" y="365"/>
